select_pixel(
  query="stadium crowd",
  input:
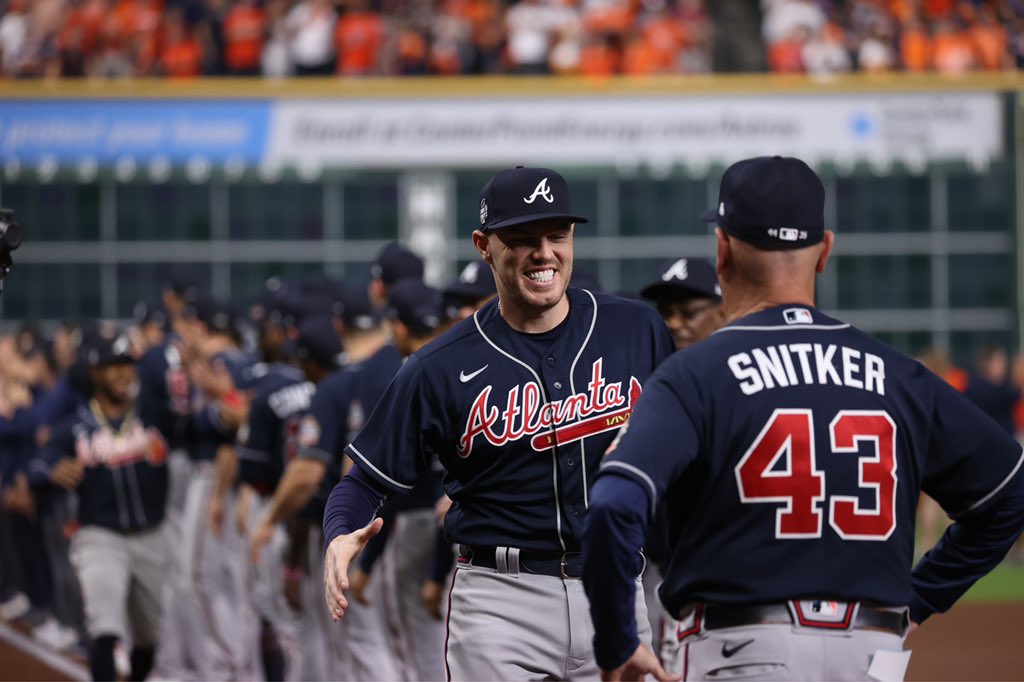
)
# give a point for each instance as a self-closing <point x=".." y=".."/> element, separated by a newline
<point x="280" y="38"/>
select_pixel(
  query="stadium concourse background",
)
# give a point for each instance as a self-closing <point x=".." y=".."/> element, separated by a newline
<point x="117" y="183"/>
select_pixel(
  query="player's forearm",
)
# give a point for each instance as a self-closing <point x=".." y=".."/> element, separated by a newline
<point x="352" y="504"/>
<point x="968" y="550"/>
<point x="297" y="487"/>
<point x="613" y="534"/>
<point x="227" y="469"/>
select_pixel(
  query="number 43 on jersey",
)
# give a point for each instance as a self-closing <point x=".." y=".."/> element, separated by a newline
<point x="800" y="486"/>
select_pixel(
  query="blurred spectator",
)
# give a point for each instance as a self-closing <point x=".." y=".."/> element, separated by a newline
<point x="990" y="387"/>
<point x="783" y="17"/>
<point x="244" y="29"/>
<point x="358" y="39"/>
<point x="786" y="55"/>
<point x="276" y="58"/>
<point x="953" y="51"/>
<point x="530" y="29"/>
<point x="915" y="46"/>
<point x="989" y="39"/>
<point x="876" y="54"/>
<point x="180" y="55"/>
<point x="14" y="27"/>
<point x="310" y="25"/>
<point x="826" y="52"/>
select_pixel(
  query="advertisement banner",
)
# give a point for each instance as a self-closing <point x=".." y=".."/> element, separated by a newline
<point x="176" y="131"/>
<point x="914" y="128"/>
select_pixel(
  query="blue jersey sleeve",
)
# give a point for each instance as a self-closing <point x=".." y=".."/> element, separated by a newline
<point x="661" y="439"/>
<point x="400" y="438"/>
<point x="322" y="435"/>
<point x="60" y="445"/>
<point x="256" y="442"/>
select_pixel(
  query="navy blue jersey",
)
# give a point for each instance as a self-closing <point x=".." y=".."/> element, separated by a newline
<point x="210" y="430"/>
<point x="165" y="394"/>
<point x="338" y="412"/>
<point x="124" y="486"/>
<point x="789" y="450"/>
<point x="518" y="421"/>
<point x="269" y="439"/>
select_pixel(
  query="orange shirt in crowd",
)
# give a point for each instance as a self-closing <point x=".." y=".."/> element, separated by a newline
<point x="358" y="38"/>
<point x="641" y="58"/>
<point x="244" y="29"/>
<point x="786" y="56"/>
<point x="412" y="50"/>
<point x="989" y="45"/>
<point x="937" y="9"/>
<point x="83" y="27"/>
<point x="666" y="35"/>
<point x="954" y="52"/>
<point x="598" y="59"/>
<point x="915" y="49"/>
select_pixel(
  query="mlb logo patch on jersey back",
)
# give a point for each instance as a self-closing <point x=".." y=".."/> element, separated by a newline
<point x="797" y="316"/>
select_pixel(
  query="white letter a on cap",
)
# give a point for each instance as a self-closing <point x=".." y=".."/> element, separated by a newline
<point x="542" y="190"/>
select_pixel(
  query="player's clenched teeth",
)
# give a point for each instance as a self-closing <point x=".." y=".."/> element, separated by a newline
<point x="541" y="275"/>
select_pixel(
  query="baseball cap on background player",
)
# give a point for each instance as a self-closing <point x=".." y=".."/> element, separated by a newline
<point x="416" y="305"/>
<point x="107" y="349"/>
<point x="771" y="202"/>
<point x="524" y="195"/>
<point x="684" y="278"/>
<point x="396" y="262"/>
<point x="318" y="341"/>
<point x="149" y="313"/>
<point x="354" y="308"/>
<point x="474" y="283"/>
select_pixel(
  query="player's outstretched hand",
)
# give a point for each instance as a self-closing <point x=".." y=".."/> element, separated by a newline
<point x="340" y="553"/>
<point x="643" y="662"/>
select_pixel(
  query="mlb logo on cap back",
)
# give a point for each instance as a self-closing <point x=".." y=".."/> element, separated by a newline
<point x="524" y="195"/>
<point x="772" y="202"/>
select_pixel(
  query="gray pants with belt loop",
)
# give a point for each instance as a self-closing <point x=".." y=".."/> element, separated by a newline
<point x="505" y="624"/>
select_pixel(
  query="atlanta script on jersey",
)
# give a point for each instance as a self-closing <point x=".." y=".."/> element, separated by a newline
<point x="519" y="421"/>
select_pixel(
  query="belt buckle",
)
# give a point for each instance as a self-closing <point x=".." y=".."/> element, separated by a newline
<point x="561" y="565"/>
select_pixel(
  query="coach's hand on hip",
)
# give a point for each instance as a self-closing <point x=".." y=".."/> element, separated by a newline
<point x="340" y="553"/>
<point x="638" y="666"/>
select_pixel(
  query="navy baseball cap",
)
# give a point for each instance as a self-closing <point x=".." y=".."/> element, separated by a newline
<point x="318" y="341"/>
<point x="396" y="262"/>
<point x="109" y="349"/>
<point x="476" y="281"/>
<point x="684" y="278"/>
<point x="354" y="308"/>
<point x="771" y="202"/>
<point x="416" y="305"/>
<point x="524" y="195"/>
<point x="216" y="315"/>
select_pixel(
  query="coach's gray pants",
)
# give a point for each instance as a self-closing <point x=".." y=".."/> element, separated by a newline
<point x="521" y="626"/>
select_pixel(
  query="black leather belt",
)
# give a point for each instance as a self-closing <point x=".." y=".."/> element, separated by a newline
<point x="718" y="616"/>
<point x="557" y="564"/>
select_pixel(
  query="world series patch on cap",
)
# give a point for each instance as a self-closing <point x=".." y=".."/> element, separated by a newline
<point x="772" y="202"/>
<point x="525" y="195"/>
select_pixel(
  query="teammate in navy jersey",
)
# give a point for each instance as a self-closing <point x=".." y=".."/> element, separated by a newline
<point x="518" y="402"/>
<point x="790" y="449"/>
<point x="117" y="464"/>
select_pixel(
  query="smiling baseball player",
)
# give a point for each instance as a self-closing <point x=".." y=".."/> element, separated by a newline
<point x="518" y="402"/>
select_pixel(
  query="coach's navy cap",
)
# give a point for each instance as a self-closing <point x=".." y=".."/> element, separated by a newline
<point x="772" y="202"/>
<point x="109" y="349"/>
<point x="318" y="341"/>
<point x="684" y="278"/>
<point x="416" y="305"/>
<point x="524" y="195"/>
<point x="396" y="262"/>
<point x="354" y="308"/>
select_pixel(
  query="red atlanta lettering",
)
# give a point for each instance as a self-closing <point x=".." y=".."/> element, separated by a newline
<point x="525" y="412"/>
<point x="103" y="447"/>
